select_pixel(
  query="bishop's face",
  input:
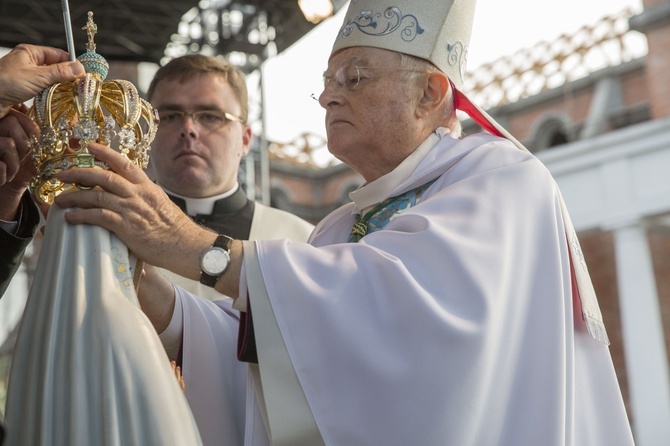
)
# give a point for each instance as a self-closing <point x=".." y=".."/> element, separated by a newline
<point x="371" y="119"/>
<point x="190" y="158"/>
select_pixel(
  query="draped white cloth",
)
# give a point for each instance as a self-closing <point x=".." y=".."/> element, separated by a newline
<point x="217" y="390"/>
<point x="457" y="324"/>
<point x="88" y="367"/>
<point x="218" y="386"/>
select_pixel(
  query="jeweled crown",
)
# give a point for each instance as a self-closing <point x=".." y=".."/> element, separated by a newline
<point x="89" y="109"/>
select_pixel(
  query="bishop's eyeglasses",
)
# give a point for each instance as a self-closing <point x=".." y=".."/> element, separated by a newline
<point x="353" y="77"/>
<point x="206" y="119"/>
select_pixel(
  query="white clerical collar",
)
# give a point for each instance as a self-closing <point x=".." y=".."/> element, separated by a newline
<point x="377" y="191"/>
<point x="201" y="206"/>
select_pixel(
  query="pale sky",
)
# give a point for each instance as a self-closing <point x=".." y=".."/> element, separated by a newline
<point x="500" y="29"/>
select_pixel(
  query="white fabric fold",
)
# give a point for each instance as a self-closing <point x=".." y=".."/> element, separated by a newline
<point x="88" y="367"/>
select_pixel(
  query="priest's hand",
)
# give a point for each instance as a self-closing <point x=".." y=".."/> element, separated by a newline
<point x="16" y="163"/>
<point x="129" y="204"/>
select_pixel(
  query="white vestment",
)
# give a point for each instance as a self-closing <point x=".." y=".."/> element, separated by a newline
<point x="454" y="325"/>
<point x="213" y="387"/>
<point x="88" y="367"/>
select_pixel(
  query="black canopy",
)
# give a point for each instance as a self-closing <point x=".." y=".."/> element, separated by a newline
<point x="139" y="30"/>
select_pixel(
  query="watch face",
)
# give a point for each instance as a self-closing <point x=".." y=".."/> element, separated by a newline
<point x="215" y="261"/>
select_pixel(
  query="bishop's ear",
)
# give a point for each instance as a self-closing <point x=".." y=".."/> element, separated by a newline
<point x="435" y="93"/>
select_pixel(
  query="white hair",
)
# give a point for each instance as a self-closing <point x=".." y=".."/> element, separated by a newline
<point x="450" y="119"/>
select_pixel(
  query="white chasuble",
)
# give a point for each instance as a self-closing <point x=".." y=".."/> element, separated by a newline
<point x="88" y="367"/>
<point x="455" y="324"/>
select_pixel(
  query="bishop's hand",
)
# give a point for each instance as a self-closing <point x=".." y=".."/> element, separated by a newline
<point x="125" y="201"/>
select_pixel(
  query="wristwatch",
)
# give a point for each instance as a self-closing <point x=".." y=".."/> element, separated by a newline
<point x="215" y="260"/>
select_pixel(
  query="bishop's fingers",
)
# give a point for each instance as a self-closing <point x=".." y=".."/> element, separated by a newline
<point x="118" y="163"/>
<point x="88" y="178"/>
<point x="112" y="221"/>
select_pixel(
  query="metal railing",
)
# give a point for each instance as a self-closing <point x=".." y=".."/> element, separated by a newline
<point x="608" y="42"/>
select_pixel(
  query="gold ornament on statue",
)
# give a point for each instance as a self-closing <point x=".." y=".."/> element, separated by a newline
<point x="71" y="115"/>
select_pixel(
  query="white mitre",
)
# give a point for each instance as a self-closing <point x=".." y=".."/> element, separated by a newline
<point x="435" y="30"/>
<point x="438" y="31"/>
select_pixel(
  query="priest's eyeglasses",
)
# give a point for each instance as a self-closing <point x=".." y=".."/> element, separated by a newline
<point x="206" y="119"/>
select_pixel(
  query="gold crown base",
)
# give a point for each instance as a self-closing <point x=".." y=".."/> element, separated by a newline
<point x="45" y="186"/>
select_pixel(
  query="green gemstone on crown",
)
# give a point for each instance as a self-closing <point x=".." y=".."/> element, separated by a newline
<point x="85" y="160"/>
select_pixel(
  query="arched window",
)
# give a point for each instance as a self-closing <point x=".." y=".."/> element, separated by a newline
<point x="551" y="131"/>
